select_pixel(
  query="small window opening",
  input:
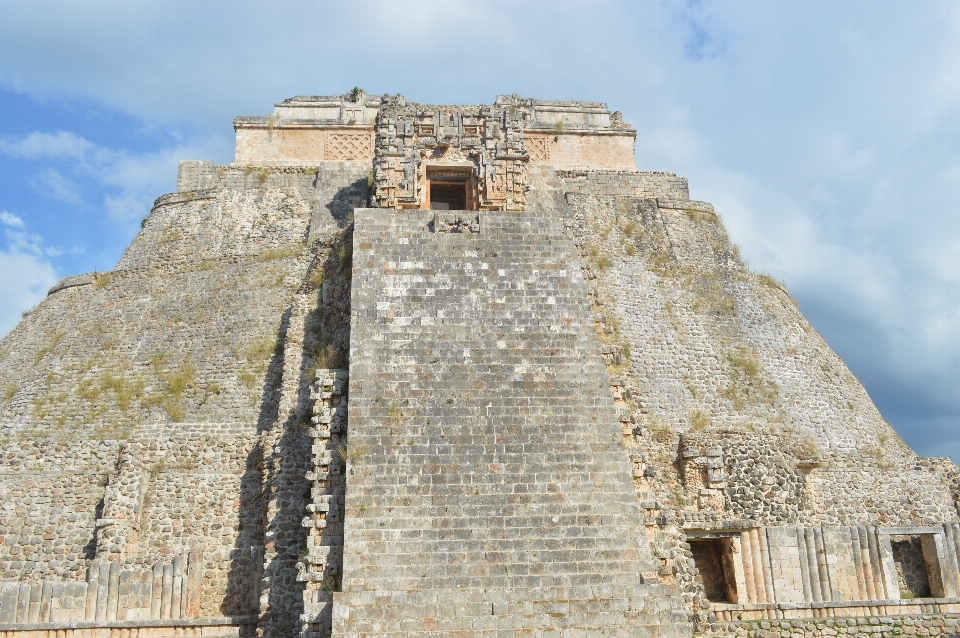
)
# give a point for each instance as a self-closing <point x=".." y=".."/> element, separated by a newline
<point x="714" y="560"/>
<point x="916" y="566"/>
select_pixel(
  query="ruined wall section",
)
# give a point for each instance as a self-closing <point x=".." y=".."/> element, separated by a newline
<point x="705" y="347"/>
<point x="913" y="492"/>
<point x="191" y="360"/>
<point x="629" y="183"/>
<point x="706" y="334"/>
<point x="309" y="131"/>
<point x="779" y="479"/>
<point x="184" y="330"/>
<point x="199" y="494"/>
<point x="572" y="149"/>
<point x="66" y="505"/>
<point x="51" y="496"/>
<point x="566" y="134"/>
<point x="340" y="187"/>
<point x="923" y="622"/>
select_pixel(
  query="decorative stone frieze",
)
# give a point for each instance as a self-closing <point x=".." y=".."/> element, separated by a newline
<point x="321" y="566"/>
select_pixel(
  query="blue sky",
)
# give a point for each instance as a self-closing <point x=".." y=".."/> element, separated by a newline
<point x="827" y="134"/>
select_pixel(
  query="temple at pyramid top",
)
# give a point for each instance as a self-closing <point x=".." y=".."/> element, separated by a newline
<point x="429" y="156"/>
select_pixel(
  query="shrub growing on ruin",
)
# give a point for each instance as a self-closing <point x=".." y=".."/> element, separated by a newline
<point x="806" y="448"/>
<point x="699" y="420"/>
<point x="51" y="344"/>
<point x="660" y="431"/>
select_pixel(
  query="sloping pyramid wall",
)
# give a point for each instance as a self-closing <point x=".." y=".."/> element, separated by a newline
<point x="487" y="489"/>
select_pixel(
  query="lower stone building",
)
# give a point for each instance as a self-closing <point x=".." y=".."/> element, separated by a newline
<point x="406" y="369"/>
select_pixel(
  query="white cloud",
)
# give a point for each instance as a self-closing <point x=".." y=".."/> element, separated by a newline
<point x="25" y="271"/>
<point x="57" y="145"/>
<point x="22" y="241"/>
<point x="136" y="178"/>
<point x="126" y="206"/>
<point x="51" y="183"/>
<point x="24" y="281"/>
<point x="10" y="219"/>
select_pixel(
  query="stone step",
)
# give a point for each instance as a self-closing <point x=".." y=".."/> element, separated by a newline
<point x="492" y="471"/>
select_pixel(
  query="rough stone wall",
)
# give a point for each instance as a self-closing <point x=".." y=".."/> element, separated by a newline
<point x="277" y="143"/>
<point x="623" y="183"/>
<point x="131" y="503"/>
<point x="167" y="590"/>
<point x="780" y="479"/>
<point x="183" y="330"/>
<point x="570" y="149"/>
<point x="188" y="368"/>
<point x="51" y="495"/>
<point x="909" y="492"/>
<point x="874" y="627"/>
<point x="706" y="336"/>
<point x="911" y="570"/>
<point x="200" y="493"/>
<point x="309" y="131"/>
<point x="340" y="187"/>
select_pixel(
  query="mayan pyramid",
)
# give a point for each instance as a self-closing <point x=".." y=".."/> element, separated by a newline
<point x="419" y="370"/>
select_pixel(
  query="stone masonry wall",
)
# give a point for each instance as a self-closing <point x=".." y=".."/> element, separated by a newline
<point x="167" y="590"/>
<point x="51" y="494"/>
<point x="915" y="492"/>
<point x="629" y="183"/>
<point x="779" y="479"/>
<point x="706" y="338"/>
<point x="195" y="493"/>
<point x="947" y="625"/>
<point x="185" y="329"/>
<point x="706" y="334"/>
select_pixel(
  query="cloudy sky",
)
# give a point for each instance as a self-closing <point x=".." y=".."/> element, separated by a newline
<point x="827" y="134"/>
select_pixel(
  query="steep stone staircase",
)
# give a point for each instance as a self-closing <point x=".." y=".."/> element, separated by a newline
<point x="487" y="490"/>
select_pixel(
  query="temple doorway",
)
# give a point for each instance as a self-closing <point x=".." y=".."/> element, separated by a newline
<point x="450" y="188"/>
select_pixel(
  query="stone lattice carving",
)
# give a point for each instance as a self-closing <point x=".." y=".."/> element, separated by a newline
<point x="539" y="149"/>
<point x="341" y="147"/>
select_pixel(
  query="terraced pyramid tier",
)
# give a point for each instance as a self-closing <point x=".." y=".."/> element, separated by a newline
<point x="487" y="489"/>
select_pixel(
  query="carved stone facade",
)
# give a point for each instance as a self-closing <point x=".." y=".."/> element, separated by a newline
<point x="418" y="144"/>
<point x="491" y="144"/>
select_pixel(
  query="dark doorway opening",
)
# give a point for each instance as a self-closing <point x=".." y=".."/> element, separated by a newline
<point x="447" y="196"/>
<point x="911" y="566"/>
<point x="711" y="556"/>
